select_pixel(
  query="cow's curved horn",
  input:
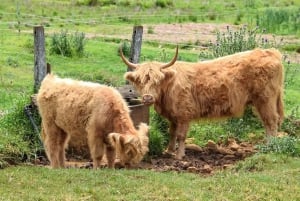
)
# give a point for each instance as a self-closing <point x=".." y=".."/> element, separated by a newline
<point x="128" y="63"/>
<point x="172" y="61"/>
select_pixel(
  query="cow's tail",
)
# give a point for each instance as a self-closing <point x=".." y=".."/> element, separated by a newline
<point x="280" y="108"/>
<point x="280" y="105"/>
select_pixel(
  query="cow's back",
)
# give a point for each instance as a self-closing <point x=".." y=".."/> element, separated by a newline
<point x="71" y="105"/>
<point x="223" y="86"/>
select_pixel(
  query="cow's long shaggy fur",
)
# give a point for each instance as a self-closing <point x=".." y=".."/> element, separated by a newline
<point x="75" y="108"/>
<point x="218" y="88"/>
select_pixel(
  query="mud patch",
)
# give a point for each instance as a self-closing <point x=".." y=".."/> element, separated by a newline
<point x="205" y="161"/>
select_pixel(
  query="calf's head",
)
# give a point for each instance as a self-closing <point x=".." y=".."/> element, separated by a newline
<point x="149" y="78"/>
<point x="131" y="148"/>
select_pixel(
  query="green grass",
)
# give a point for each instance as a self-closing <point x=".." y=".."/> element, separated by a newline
<point x="278" y="179"/>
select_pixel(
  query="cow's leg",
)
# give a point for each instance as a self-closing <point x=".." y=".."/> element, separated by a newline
<point x="172" y="141"/>
<point x="96" y="146"/>
<point x="268" y="113"/>
<point x="181" y="132"/>
<point x="55" y="140"/>
<point x="111" y="156"/>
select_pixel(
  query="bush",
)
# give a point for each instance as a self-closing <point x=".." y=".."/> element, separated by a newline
<point x="231" y="41"/>
<point x="68" y="45"/>
<point x="156" y="143"/>
<point x="158" y="134"/>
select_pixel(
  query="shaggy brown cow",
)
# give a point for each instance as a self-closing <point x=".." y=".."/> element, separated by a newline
<point x="223" y="87"/>
<point x="75" y="108"/>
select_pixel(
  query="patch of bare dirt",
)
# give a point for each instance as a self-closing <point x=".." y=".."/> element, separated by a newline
<point x="184" y="33"/>
<point x="205" y="161"/>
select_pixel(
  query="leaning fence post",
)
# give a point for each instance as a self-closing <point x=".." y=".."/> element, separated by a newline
<point x="40" y="66"/>
<point x="136" y="44"/>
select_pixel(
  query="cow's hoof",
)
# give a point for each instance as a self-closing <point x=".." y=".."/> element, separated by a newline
<point x="178" y="157"/>
<point x="167" y="154"/>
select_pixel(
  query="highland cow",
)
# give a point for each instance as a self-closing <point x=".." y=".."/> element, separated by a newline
<point x="223" y="87"/>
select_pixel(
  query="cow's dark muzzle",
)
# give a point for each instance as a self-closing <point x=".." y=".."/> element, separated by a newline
<point x="147" y="99"/>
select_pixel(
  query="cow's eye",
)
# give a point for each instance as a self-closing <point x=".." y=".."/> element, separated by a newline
<point x="138" y="81"/>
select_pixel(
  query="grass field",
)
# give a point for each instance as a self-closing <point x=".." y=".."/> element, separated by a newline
<point x="278" y="179"/>
<point x="106" y="25"/>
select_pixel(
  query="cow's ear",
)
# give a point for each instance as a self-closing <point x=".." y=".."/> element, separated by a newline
<point x="169" y="73"/>
<point x="130" y="76"/>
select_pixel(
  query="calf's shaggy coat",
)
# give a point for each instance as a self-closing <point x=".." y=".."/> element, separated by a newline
<point x="75" y="108"/>
<point x="223" y="87"/>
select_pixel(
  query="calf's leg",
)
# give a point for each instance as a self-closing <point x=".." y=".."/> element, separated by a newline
<point x="96" y="146"/>
<point x="55" y="140"/>
<point x="111" y="156"/>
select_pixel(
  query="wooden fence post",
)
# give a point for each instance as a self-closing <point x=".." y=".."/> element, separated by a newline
<point x="140" y="113"/>
<point x="40" y="66"/>
<point x="136" y="44"/>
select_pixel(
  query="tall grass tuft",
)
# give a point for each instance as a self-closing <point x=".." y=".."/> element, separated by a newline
<point x="68" y="45"/>
<point x="126" y="48"/>
<point x="232" y="41"/>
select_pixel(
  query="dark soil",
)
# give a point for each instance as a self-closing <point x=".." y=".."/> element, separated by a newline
<point x="207" y="160"/>
<point x="202" y="160"/>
